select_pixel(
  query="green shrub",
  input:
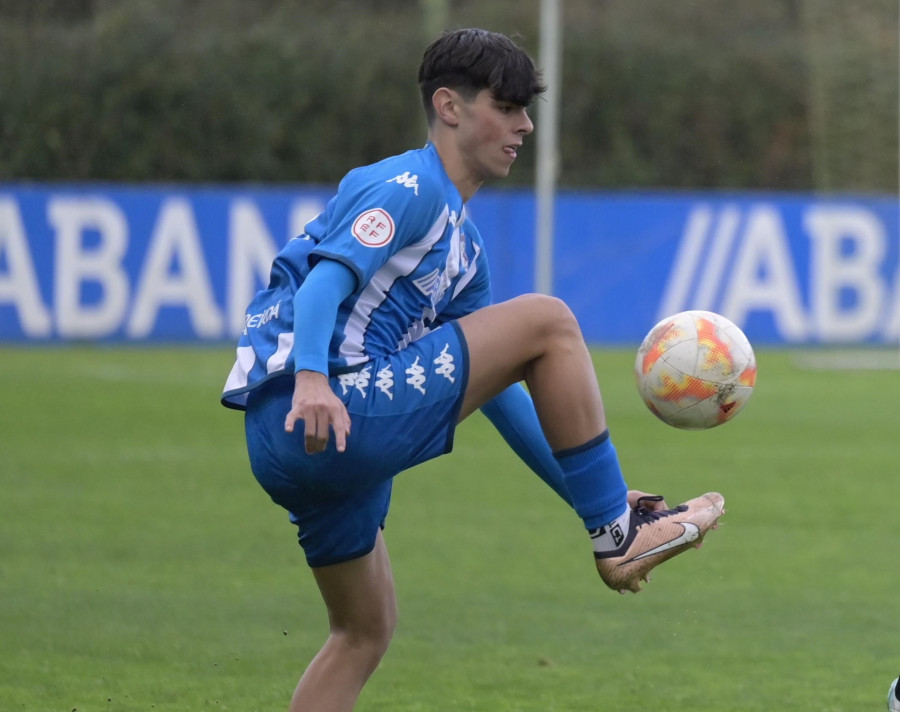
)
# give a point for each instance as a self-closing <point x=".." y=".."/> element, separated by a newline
<point x="654" y="94"/>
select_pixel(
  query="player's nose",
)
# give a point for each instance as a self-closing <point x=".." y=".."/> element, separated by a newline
<point x="526" y="126"/>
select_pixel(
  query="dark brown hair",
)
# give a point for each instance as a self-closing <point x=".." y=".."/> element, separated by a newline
<point x="470" y="60"/>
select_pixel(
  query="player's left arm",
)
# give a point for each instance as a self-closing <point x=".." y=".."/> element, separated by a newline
<point x="315" y="309"/>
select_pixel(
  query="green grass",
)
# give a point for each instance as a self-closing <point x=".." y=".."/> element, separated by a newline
<point x="141" y="567"/>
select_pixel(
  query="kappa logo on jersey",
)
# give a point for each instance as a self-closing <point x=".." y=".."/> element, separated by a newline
<point x="407" y="181"/>
<point x="374" y="228"/>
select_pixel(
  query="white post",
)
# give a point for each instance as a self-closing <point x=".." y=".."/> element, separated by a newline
<point x="547" y="162"/>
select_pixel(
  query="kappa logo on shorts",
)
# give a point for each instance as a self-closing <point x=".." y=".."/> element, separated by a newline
<point x="385" y="382"/>
<point x="373" y="228"/>
<point x="445" y="364"/>
<point x="416" y="376"/>
<point x="358" y="380"/>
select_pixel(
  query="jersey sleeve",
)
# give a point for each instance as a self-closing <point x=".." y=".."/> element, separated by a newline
<point x="315" y="307"/>
<point x="373" y="216"/>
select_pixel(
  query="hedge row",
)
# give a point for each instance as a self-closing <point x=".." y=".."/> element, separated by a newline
<point x="783" y="94"/>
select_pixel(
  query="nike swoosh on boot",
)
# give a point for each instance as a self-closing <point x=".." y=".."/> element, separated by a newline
<point x="691" y="532"/>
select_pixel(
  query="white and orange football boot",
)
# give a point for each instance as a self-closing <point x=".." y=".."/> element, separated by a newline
<point x="655" y="537"/>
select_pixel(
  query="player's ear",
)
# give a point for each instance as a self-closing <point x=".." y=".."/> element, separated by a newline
<point x="446" y="103"/>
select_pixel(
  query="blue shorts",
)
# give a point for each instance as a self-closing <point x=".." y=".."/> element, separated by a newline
<point x="403" y="411"/>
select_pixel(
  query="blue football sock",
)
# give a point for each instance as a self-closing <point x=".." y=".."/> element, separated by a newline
<point x="594" y="480"/>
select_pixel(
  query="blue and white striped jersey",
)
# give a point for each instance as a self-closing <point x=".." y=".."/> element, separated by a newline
<point x="400" y="225"/>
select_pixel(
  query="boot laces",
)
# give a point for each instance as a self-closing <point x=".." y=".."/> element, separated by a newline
<point x="650" y="515"/>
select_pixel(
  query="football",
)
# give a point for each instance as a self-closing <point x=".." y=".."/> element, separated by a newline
<point x="695" y="370"/>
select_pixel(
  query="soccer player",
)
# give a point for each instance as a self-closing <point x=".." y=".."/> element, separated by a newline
<point x="893" y="698"/>
<point x="377" y="335"/>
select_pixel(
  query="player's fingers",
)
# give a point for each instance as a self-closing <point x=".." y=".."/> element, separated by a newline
<point x="340" y="439"/>
<point x="342" y="431"/>
<point x="290" y="419"/>
<point x="323" y="433"/>
<point x="316" y="434"/>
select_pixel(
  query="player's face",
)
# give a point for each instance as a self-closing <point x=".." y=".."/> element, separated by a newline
<point x="490" y="134"/>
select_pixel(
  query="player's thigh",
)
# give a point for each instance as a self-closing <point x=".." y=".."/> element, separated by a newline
<point x="503" y="339"/>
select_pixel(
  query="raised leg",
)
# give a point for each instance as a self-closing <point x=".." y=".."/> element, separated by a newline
<point x="536" y="339"/>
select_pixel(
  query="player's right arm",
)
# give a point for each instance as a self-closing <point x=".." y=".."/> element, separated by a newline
<point x="315" y="311"/>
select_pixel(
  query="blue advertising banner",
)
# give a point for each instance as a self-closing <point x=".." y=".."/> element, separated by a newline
<point x="171" y="263"/>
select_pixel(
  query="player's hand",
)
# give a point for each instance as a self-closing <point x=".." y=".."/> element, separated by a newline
<point x="320" y="410"/>
<point x="652" y="504"/>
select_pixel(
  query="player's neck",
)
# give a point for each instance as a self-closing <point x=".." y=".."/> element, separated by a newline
<point x="455" y="167"/>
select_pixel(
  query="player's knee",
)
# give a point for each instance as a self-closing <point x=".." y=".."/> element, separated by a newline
<point x="373" y="633"/>
<point x="550" y="316"/>
<point x="365" y="644"/>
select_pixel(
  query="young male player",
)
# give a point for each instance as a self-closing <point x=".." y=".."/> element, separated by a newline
<point x="377" y="335"/>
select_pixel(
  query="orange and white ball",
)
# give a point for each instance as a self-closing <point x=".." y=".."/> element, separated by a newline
<point x="695" y="370"/>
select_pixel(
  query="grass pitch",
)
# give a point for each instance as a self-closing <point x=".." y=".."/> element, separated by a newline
<point x="142" y="568"/>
